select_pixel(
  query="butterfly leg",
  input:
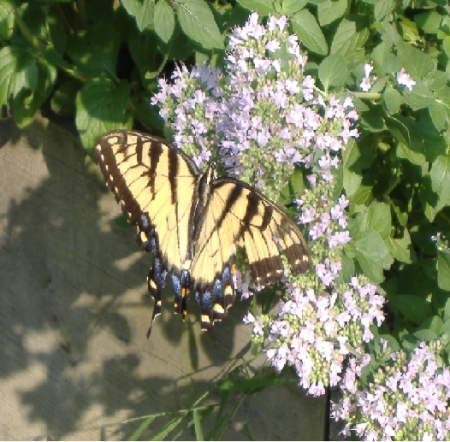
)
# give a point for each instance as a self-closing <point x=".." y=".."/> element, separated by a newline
<point x="181" y="286"/>
<point x="156" y="279"/>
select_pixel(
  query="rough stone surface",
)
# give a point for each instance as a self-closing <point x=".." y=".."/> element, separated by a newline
<point x="74" y="310"/>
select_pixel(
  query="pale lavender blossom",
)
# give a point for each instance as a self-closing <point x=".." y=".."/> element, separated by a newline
<point x="403" y="78"/>
<point x="365" y="84"/>
<point x="410" y="386"/>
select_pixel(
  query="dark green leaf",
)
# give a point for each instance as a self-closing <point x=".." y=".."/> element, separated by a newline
<point x="262" y="7"/>
<point x="415" y="308"/>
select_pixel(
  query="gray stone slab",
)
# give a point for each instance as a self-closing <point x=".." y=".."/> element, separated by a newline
<point x="74" y="311"/>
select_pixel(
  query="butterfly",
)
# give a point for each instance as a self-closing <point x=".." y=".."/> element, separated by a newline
<point x="194" y="223"/>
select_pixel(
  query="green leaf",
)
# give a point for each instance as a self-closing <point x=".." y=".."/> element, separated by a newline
<point x="429" y="22"/>
<point x="6" y="19"/>
<point x="144" y="19"/>
<point x="347" y="40"/>
<point x="352" y="181"/>
<point x="262" y="7"/>
<point x="330" y="10"/>
<point x="133" y="7"/>
<point x="436" y="80"/>
<point x="416" y="62"/>
<point x="198" y="424"/>
<point x="392" y="99"/>
<point x="142" y="427"/>
<point x="440" y="179"/>
<point x="400" y="249"/>
<point x="440" y="114"/>
<point x="332" y="71"/>
<point x="290" y="7"/>
<point x="308" y="31"/>
<point x="94" y="54"/>
<point x="164" y="21"/>
<point x="379" y="219"/>
<point x="101" y="106"/>
<point x="382" y="8"/>
<point x="415" y="308"/>
<point x="197" y="22"/>
<point x="372" y="254"/>
<point x="443" y="266"/>
<point x="403" y="151"/>
<point x="18" y="70"/>
<point x="419" y="97"/>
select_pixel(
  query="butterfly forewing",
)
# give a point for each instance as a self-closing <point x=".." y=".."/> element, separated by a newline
<point x="150" y="177"/>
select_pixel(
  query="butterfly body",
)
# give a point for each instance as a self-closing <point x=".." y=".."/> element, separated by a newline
<point x="193" y="222"/>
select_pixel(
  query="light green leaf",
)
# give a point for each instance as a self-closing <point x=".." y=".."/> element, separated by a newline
<point x="290" y="7"/>
<point x="382" y="8"/>
<point x="400" y="249"/>
<point x="372" y="254"/>
<point x="379" y="219"/>
<point x="440" y="179"/>
<point x="330" y="10"/>
<point x="144" y="19"/>
<point x="443" y="266"/>
<point x="439" y="113"/>
<point x="429" y="22"/>
<point x="262" y="7"/>
<point x="347" y="40"/>
<point x="164" y="21"/>
<point x="308" y="31"/>
<point x="18" y="70"/>
<point x="133" y="7"/>
<point x="392" y="99"/>
<point x="101" y="106"/>
<point x="416" y="62"/>
<point x="419" y="97"/>
<point x="6" y="19"/>
<point x="332" y="71"/>
<point x="197" y="22"/>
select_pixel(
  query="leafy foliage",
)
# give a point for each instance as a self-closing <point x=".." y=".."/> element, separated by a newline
<point x="97" y="62"/>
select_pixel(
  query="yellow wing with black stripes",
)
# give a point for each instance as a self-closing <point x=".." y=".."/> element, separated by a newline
<point x="193" y="222"/>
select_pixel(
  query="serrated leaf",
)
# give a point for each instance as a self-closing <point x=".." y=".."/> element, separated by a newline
<point x="439" y="114"/>
<point x="415" y="308"/>
<point x="436" y="80"/>
<point x="399" y="250"/>
<point x="440" y="176"/>
<point x="332" y="71"/>
<point x="290" y="7"/>
<point x="416" y="62"/>
<point x="379" y="219"/>
<point x="308" y="31"/>
<point x="392" y="99"/>
<point x="443" y="266"/>
<point x="372" y="254"/>
<point x="429" y="22"/>
<point x="198" y="23"/>
<point x="330" y="10"/>
<point x="18" y="70"/>
<point x="347" y="40"/>
<point x="382" y="8"/>
<point x="101" y="106"/>
<point x="6" y="19"/>
<point x="144" y="19"/>
<point x="94" y="54"/>
<point x="419" y="97"/>
<point x="262" y="7"/>
<point x="164" y="21"/>
<point x="133" y="7"/>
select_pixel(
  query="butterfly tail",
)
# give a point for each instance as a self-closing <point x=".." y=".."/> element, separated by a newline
<point x="182" y="286"/>
<point x="156" y="279"/>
